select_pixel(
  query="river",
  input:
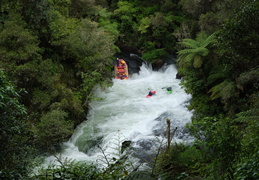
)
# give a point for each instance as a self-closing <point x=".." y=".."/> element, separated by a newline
<point x="124" y="114"/>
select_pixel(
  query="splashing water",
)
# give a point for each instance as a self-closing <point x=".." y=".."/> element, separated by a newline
<point x="126" y="114"/>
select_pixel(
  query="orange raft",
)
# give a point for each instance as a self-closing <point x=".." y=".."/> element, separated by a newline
<point x="121" y="70"/>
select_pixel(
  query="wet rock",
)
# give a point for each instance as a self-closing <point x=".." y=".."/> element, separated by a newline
<point x="158" y="64"/>
<point x="145" y="151"/>
<point x="134" y="61"/>
<point x="125" y="145"/>
<point x="178" y="76"/>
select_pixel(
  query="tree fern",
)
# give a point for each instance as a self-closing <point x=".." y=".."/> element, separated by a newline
<point x="216" y="90"/>
<point x="217" y="75"/>
<point x="250" y="77"/>
<point x="197" y="63"/>
<point x="211" y="40"/>
<point x="224" y="90"/>
<point x="189" y="43"/>
<point x="195" y="50"/>
<point x="202" y="51"/>
<point x="248" y="116"/>
<point x="252" y="114"/>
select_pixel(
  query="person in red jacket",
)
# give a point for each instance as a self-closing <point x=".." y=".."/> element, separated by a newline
<point x="151" y="93"/>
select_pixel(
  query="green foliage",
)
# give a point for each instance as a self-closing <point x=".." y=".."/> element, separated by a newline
<point x="206" y="16"/>
<point x="195" y="7"/>
<point x="224" y="90"/>
<point x="208" y="22"/>
<point x="60" y="27"/>
<point x="148" y="26"/>
<point x="228" y="145"/>
<point x="249" y="120"/>
<point x="198" y="63"/>
<point x="145" y="23"/>
<point x="239" y="39"/>
<point x="117" y="164"/>
<point x="53" y="47"/>
<point x="179" y="162"/>
<point x="195" y="50"/>
<point x="106" y="24"/>
<point x="248" y="168"/>
<point x="68" y="170"/>
<point x="90" y="51"/>
<point x="14" y="135"/>
<point x="54" y="128"/>
<point x="82" y="8"/>
<point x="248" y="81"/>
<point x="17" y="48"/>
<point x="126" y="8"/>
<point x="53" y="92"/>
<point x="193" y="82"/>
<point x="219" y="140"/>
<point x="201" y="105"/>
<point x="90" y="80"/>
<point x="154" y="54"/>
<point x="217" y="74"/>
<point x="238" y="60"/>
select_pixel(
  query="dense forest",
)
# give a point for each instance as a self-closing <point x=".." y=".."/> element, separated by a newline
<point x="54" y="52"/>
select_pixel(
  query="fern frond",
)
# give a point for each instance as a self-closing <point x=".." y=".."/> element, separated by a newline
<point x="249" y="77"/>
<point x="181" y="60"/>
<point x="209" y="40"/>
<point x="186" y="51"/>
<point x="217" y="74"/>
<point x="189" y="43"/>
<point x="197" y="63"/>
<point x="216" y="91"/>
<point x="189" y="58"/>
<point x="195" y="50"/>
<point x="202" y="51"/>
<point x="248" y="116"/>
<point x="201" y="37"/>
<point x="228" y="91"/>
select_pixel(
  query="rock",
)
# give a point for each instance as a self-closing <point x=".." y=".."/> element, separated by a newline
<point x="125" y="145"/>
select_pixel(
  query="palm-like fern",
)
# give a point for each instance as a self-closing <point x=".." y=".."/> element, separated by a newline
<point x="224" y="90"/>
<point x="196" y="50"/>
<point x="228" y="88"/>
<point x="217" y="75"/>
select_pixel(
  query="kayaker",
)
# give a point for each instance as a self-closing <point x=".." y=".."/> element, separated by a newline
<point x="169" y="88"/>
<point x="151" y="93"/>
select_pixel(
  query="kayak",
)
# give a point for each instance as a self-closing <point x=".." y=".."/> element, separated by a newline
<point x="170" y="92"/>
<point x="168" y="89"/>
<point x="121" y="70"/>
<point x="148" y="96"/>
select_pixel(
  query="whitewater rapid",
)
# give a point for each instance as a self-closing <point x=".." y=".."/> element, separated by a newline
<point x="123" y="113"/>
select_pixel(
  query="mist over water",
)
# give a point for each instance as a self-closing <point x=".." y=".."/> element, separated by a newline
<point x="125" y="114"/>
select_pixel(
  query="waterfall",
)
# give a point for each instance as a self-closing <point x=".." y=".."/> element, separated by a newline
<point x="123" y="113"/>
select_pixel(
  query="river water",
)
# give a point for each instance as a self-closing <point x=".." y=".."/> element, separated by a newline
<point x="125" y="114"/>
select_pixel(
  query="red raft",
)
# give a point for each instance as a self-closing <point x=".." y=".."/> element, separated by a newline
<point x="121" y="70"/>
